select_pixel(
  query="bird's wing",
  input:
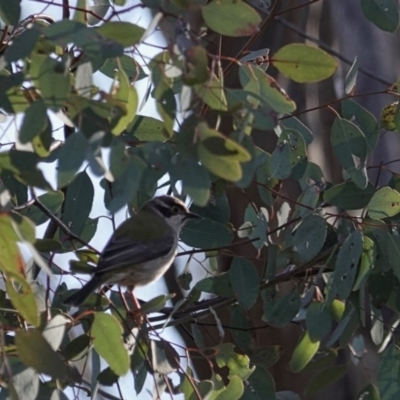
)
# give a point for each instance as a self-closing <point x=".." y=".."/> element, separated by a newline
<point x="122" y="252"/>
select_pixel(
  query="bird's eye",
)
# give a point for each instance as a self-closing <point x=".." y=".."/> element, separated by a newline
<point x="176" y="209"/>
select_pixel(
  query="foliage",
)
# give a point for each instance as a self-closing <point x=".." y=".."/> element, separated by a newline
<point x="341" y="267"/>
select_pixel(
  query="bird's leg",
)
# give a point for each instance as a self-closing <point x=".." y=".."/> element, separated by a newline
<point x="135" y="312"/>
<point x="134" y="298"/>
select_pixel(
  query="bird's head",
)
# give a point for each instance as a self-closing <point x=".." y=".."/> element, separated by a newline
<point x="171" y="209"/>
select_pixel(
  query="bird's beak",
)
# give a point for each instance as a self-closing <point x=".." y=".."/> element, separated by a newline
<point x="190" y="215"/>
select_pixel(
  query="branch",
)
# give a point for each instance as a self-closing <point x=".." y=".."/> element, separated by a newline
<point x="59" y="223"/>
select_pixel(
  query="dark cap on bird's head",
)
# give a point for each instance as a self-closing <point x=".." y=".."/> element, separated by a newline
<point x="169" y="207"/>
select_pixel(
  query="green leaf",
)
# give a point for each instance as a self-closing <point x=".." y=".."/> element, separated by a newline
<point x="51" y="200"/>
<point x="297" y="151"/>
<point x="128" y="64"/>
<point x="347" y="141"/>
<point x="365" y="120"/>
<point x="393" y="252"/>
<point x="323" y="358"/>
<point x="10" y="11"/>
<point x="242" y="335"/>
<point x="124" y="33"/>
<point x="127" y="183"/>
<point x="325" y="378"/>
<point x="262" y="383"/>
<point x="307" y="201"/>
<point x="264" y="173"/>
<point x="70" y="158"/>
<point x="78" y="203"/>
<point x="96" y="47"/>
<point x="281" y="167"/>
<point x="255" y="226"/>
<point x="348" y="322"/>
<point x="128" y="97"/>
<point x="147" y="129"/>
<point x="383" y="13"/>
<point x="279" y="311"/>
<point x="22" y="44"/>
<point x="349" y="196"/>
<point x="34" y="351"/>
<point x="378" y="232"/>
<point x="233" y="391"/>
<point x="231" y="18"/>
<point x="204" y="388"/>
<point x="77" y="347"/>
<point x="54" y="83"/>
<point x="218" y="284"/>
<point x="107" y="340"/>
<point x="11" y="261"/>
<point x="23" y="298"/>
<point x="296" y="125"/>
<point x="389" y="367"/>
<point x="303" y="353"/>
<point x="309" y="238"/>
<point x="18" y="191"/>
<point x="155" y="304"/>
<point x="367" y="262"/>
<point x="45" y="245"/>
<point x="245" y="282"/>
<point x="107" y="377"/>
<point x="34" y="122"/>
<point x="217" y="209"/>
<point x="318" y="320"/>
<point x="212" y="93"/>
<point x="205" y="233"/>
<point x="238" y="364"/>
<point x="42" y="143"/>
<point x="304" y="63"/>
<point x="384" y="203"/>
<point x="195" y="179"/>
<point x="346" y="264"/>
<point x="255" y="80"/>
<point x="267" y="356"/>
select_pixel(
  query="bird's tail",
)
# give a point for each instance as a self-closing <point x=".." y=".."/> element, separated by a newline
<point x="80" y="296"/>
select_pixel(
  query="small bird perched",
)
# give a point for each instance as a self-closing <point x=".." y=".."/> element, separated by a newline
<point x="141" y="249"/>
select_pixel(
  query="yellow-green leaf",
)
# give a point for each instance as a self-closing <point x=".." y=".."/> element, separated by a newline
<point x="23" y="298"/>
<point x="124" y="33"/>
<point x="231" y="18"/>
<point x="107" y="340"/>
<point x="238" y="364"/>
<point x="10" y="260"/>
<point x="256" y="81"/>
<point x="384" y="203"/>
<point x="303" y="353"/>
<point x="304" y="63"/>
<point x="221" y="145"/>
<point x="127" y="95"/>
<point x="220" y="155"/>
<point x="212" y="93"/>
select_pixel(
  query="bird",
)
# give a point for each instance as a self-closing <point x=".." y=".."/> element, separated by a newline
<point x="141" y="249"/>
